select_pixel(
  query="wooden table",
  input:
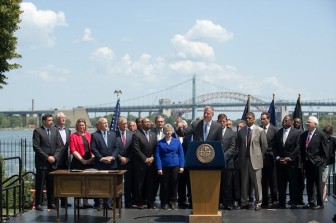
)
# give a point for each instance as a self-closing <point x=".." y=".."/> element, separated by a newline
<point x="88" y="184"/>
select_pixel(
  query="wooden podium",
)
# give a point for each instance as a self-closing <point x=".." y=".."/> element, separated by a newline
<point x="205" y="160"/>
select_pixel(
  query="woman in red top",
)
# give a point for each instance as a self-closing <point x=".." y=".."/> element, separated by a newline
<point x="81" y="151"/>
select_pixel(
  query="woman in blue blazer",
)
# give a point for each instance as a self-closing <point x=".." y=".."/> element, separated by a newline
<point x="169" y="158"/>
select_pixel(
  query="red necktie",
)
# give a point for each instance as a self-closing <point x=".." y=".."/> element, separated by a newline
<point x="308" y="139"/>
<point x="124" y="138"/>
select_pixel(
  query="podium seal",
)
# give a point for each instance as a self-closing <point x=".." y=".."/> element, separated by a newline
<point x="205" y="153"/>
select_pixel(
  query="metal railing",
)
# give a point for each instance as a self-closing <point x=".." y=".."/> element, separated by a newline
<point x="18" y="148"/>
<point x="14" y="184"/>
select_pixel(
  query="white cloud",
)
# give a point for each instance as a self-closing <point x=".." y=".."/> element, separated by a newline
<point x="50" y="73"/>
<point x="216" y="71"/>
<point x="103" y="53"/>
<point x="87" y="37"/>
<point x="146" y="67"/>
<point x="207" y="30"/>
<point x="38" y="26"/>
<point x="190" y="49"/>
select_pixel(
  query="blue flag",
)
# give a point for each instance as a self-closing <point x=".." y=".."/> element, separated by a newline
<point x="245" y="110"/>
<point x="115" y="117"/>
<point x="271" y="111"/>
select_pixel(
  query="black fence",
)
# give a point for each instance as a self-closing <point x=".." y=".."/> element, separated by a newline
<point x="12" y="196"/>
<point x="18" y="148"/>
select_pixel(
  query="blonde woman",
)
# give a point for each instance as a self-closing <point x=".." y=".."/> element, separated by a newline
<point x="169" y="158"/>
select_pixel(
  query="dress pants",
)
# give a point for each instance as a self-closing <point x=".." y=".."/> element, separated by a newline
<point x="183" y="181"/>
<point x="269" y="180"/>
<point x="287" y="174"/>
<point x="145" y="181"/>
<point x="248" y="173"/>
<point x="44" y="178"/>
<point x="227" y="187"/>
<point x="314" y="178"/>
<point x="168" y="185"/>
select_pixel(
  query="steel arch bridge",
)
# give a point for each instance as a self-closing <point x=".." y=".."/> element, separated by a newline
<point x="218" y="96"/>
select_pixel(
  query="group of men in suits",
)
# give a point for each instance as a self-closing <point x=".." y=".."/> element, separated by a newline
<point x="258" y="158"/>
<point x="50" y="144"/>
<point x="268" y="160"/>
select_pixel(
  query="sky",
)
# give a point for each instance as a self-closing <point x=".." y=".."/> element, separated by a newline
<point x="77" y="53"/>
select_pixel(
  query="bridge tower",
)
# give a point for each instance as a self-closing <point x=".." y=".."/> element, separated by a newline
<point x="166" y="112"/>
<point x="194" y="106"/>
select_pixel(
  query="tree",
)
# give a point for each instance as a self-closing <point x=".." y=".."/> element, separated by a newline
<point x="10" y="18"/>
<point x="15" y="121"/>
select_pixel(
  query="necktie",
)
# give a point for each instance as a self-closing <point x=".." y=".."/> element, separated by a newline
<point x="147" y="135"/>
<point x="49" y="135"/>
<point x="124" y="138"/>
<point x="206" y="130"/>
<point x="308" y="139"/>
<point x="105" y="137"/>
<point x="285" y="134"/>
<point x="248" y="142"/>
<point x="248" y="139"/>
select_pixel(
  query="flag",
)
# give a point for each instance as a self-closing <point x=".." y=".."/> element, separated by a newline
<point x="245" y="110"/>
<point x="271" y="111"/>
<point x="115" y="117"/>
<point x="298" y="111"/>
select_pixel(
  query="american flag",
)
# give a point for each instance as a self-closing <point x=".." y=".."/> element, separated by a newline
<point x="271" y="111"/>
<point x="115" y="117"/>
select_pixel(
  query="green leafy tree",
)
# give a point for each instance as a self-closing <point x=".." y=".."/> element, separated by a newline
<point x="15" y="121"/>
<point x="31" y="121"/>
<point x="131" y="117"/>
<point x="10" y="18"/>
<point x="4" y="122"/>
<point x="67" y="123"/>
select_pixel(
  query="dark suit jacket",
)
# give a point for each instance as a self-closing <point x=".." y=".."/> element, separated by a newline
<point x="100" y="150"/>
<point x="125" y="151"/>
<point x="228" y="145"/>
<point x="331" y="150"/>
<point x="196" y="129"/>
<point x="64" y="161"/>
<point x="185" y="143"/>
<point x="43" y="148"/>
<point x="142" y="148"/>
<point x="270" y="136"/>
<point x="258" y="146"/>
<point x="291" y="148"/>
<point x="317" y="150"/>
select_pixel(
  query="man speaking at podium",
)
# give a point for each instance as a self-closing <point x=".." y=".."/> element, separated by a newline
<point x="202" y="130"/>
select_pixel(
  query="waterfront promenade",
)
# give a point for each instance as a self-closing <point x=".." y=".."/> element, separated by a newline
<point x="181" y="215"/>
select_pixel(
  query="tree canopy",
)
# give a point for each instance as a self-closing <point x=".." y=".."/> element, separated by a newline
<point x="9" y="22"/>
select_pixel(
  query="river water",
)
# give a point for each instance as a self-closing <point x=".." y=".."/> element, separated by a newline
<point x="11" y="135"/>
<point x="17" y="143"/>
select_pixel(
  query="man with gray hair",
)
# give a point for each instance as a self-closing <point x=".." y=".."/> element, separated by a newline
<point x="314" y="152"/>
